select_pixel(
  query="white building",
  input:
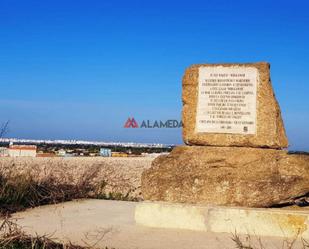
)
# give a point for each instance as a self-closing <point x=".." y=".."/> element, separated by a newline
<point x="106" y="152"/>
<point x="22" y="151"/>
<point x="61" y="152"/>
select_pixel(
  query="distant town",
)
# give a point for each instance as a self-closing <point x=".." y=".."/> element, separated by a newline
<point x="11" y="147"/>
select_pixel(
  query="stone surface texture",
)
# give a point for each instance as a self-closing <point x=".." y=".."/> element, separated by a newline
<point x="270" y="129"/>
<point x="231" y="176"/>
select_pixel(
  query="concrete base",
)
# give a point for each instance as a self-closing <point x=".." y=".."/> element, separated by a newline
<point x="287" y="223"/>
<point x="111" y="224"/>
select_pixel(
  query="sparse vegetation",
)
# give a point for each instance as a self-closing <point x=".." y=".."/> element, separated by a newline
<point x="116" y="196"/>
<point x="247" y="242"/>
<point x="100" y="193"/>
<point x="21" y="191"/>
<point x="26" y="183"/>
<point x="12" y="237"/>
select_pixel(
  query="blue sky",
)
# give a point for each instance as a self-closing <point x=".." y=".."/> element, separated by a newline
<point x="79" y="69"/>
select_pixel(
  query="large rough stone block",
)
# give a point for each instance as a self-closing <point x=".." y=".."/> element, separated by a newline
<point x="231" y="105"/>
<point x="238" y="176"/>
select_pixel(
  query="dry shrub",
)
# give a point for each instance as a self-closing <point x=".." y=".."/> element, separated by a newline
<point x="30" y="182"/>
<point x="23" y="190"/>
<point x="247" y="242"/>
<point x="11" y="237"/>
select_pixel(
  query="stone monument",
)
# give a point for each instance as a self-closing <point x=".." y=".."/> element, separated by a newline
<point x="235" y="144"/>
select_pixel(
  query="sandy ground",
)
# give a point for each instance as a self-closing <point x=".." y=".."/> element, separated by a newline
<point x="117" y="175"/>
<point x="111" y="223"/>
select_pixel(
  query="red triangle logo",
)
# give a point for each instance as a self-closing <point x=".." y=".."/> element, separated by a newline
<point x="131" y="123"/>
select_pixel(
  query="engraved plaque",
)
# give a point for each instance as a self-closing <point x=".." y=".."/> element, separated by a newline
<point x="227" y="100"/>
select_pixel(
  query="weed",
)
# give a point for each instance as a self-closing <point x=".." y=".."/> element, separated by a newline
<point x="13" y="238"/>
<point x="248" y="243"/>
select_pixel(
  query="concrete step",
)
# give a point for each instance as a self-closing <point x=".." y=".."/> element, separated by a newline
<point x="286" y="223"/>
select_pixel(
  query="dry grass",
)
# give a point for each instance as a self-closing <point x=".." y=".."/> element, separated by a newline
<point x="247" y="242"/>
<point x="11" y="237"/>
<point x="33" y="182"/>
<point x="22" y="190"/>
